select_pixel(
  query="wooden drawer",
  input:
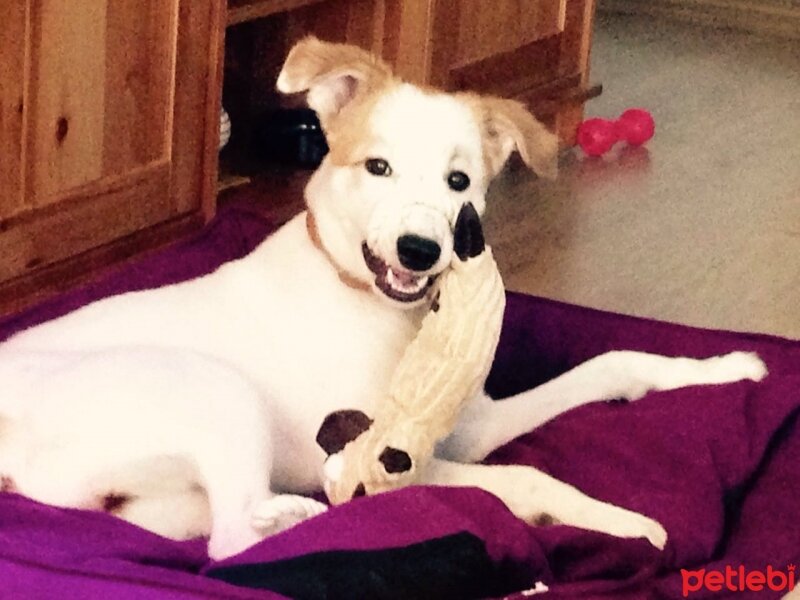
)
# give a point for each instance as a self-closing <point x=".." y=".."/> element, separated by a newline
<point x="486" y="29"/>
<point x="109" y="111"/>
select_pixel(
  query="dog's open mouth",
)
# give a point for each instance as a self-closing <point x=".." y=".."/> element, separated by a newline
<point x="397" y="284"/>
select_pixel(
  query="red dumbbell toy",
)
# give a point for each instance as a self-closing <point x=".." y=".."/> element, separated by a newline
<point x="598" y="136"/>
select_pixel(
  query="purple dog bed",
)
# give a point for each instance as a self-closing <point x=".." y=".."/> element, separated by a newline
<point x="716" y="465"/>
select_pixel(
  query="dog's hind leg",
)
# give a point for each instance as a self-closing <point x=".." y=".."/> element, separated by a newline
<point x="175" y="514"/>
<point x="232" y="504"/>
<point x="486" y="424"/>
<point x="235" y="475"/>
<point x="538" y="498"/>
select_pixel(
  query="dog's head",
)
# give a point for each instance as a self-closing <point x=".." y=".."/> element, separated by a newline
<point x="403" y="161"/>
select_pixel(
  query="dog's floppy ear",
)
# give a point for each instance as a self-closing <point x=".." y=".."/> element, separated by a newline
<point x="508" y="126"/>
<point x="332" y="74"/>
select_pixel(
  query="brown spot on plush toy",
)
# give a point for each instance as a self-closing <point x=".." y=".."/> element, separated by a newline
<point x="443" y="367"/>
<point x="395" y="461"/>
<point x="341" y="427"/>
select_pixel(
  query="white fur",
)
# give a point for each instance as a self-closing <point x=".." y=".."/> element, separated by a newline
<point x="182" y="396"/>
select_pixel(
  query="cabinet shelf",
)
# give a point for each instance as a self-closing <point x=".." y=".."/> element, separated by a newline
<point x="242" y="11"/>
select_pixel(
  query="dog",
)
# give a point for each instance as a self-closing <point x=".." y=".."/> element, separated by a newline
<point x="192" y="409"/>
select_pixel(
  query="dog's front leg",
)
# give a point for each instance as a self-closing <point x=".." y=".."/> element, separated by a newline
<point x="486" y="424"/>
<point x="538" y="498"/>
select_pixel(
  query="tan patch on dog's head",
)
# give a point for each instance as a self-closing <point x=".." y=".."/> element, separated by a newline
<point x="343" y="83"/>
<point x="506" y="126"/>
<point x="349" y="133"/>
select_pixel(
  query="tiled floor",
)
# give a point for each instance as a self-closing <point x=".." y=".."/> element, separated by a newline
<point x="701" y="227"/>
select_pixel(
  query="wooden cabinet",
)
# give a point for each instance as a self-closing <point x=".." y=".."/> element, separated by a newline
<point x="109" y="109"/>
<point x="108" y="125"/>
<point x="533" y="50"/>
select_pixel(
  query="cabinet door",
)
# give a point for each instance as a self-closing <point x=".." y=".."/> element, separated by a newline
<point x="438" y="40"/>
<point x="487" y="29"/>
<point x="108" y="109"/>
<point x="533" y="50"/>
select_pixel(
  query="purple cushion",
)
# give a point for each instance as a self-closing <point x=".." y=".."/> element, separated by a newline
<point x="717" y="465"/>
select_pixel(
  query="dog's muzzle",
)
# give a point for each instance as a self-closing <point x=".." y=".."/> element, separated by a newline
<point x="398" y="284"/>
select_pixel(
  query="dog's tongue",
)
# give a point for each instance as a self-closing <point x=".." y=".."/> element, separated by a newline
<point x="404" y="277"/>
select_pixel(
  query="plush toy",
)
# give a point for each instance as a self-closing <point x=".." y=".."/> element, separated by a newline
<point x="444" y="366"/>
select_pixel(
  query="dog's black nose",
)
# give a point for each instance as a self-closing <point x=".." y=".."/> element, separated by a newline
<point x="417" y="253"/>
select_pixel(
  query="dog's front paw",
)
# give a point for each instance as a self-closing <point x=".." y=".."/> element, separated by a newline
<point x="284" y="511"/>
<point x="738" y="366"/>
<point x="624" y="523"/>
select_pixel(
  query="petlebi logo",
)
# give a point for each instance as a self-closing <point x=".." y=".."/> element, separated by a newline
<point x="738" y="580"/>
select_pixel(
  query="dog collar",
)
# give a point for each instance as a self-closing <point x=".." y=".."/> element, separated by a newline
<point x="346" y="278"/>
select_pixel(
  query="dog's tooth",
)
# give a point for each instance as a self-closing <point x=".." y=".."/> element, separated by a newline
<point x="405" y="285"/>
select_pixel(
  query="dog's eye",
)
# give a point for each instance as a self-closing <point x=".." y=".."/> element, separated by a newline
<point x="458" y="181"/>
<point x="378" y="167"/>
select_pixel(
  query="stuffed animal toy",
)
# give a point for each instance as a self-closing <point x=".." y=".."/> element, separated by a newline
<point x="443" y="367"/>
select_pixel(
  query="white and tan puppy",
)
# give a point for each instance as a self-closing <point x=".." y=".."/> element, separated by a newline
<point x="198" y="403"/>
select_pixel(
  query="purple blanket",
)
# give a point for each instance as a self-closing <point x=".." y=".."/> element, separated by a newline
<point x="717" y="466"/>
